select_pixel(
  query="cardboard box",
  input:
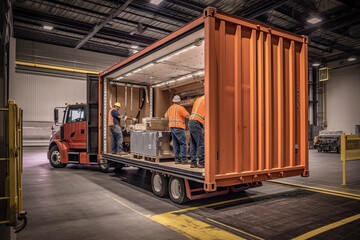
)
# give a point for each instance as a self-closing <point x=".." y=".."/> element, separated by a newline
<point x="139" y="127"/>
<point x="156" y="124"/>
<point x="129" y="121"/>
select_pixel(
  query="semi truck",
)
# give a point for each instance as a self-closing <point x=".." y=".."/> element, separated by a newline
<point x="254" y="78"/>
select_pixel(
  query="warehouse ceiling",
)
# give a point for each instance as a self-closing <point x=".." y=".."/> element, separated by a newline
<point x="124" y="27"/>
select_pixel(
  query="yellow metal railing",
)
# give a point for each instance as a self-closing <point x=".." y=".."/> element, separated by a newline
<point x="13" y="176"/>
<point x="350" y="150"/>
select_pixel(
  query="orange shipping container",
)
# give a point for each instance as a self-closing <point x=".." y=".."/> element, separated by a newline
<point x="255" y="79"/>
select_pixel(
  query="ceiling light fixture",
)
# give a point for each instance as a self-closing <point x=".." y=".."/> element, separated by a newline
<point x="350" y="59"/>
<point x="182" y="78"/>
<point x="47" y="27"/>
<point x="156" y="2"/>
<point x="134" y="47"/>
<point x="118" y="78"/>
<point x="197" y="43"/>
<point x="314" y="20"/>
<point x="315" y="64"/>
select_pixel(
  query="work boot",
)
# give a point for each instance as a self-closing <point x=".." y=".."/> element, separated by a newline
<point x="177" y="161"/>
<point x="200" y="165"/>
<point x="193" y="165"/>
<point x="113" y="152"/>
<point x="121" y="153"/>
<point x="185" y="162"/>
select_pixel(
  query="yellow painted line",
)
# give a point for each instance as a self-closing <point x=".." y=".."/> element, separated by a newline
<point x="185" y="225"/>
<point x="327" y="227"/>
<point x="62" y="175"/>
<point x="320" y="190"/>
<point x="218" y="203"/>
<point x="238" y="230"/>
<point x="127" y="206"/>
<point x="192" y="228"/>
<point x="55" y="67"/>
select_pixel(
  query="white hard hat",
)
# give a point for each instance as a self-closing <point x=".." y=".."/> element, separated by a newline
<point x="176" y="98"/>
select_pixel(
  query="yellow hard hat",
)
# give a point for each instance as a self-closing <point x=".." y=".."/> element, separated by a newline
<point x="117" y="104"/>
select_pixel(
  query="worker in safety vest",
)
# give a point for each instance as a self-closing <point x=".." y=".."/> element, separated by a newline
<point x="114" y="125"/>
<point x="176" y="115"/>
<point x="196" y="127"/>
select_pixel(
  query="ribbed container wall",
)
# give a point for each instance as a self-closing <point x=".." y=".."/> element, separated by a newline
<point x="256" y="98"/>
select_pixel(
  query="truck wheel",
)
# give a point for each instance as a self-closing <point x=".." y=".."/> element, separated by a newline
<point x="104" y="165"/>
<point x="159" y="185"/>
<point x="55" y="158"/>
<point x="177" y="190"/>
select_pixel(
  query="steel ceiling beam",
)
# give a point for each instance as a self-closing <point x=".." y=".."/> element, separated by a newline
<point x="64" y="4"/>
<point x="39" y="36"/>
<point x="18" y="19"/>
<point x="102" y="24"/>
<point x="330" y="22"/>
<point x="54" y="20"/>
<point x="189" y="5"/>
<point x="265" y="6"/>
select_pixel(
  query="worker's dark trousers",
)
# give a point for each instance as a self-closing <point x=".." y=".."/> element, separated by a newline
<point x="196" y="141"/>
<point x="179" y="144"/>
<point x="117" y="138"/>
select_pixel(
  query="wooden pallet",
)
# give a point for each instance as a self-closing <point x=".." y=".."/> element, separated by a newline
<point x="154" y="159"/>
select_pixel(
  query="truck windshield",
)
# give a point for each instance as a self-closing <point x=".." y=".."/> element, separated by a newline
<point x="76" y="115"/>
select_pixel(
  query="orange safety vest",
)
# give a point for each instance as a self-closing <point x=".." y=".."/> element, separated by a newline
<point x="176" y="115"/>
<point x="198" y="111"/>
<point x="111" y="118"/>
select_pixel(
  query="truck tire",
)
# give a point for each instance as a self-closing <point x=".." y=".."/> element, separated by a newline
<point x="159" y="185"/>
<point x="55" y="158"/>
<point x="177" y="190"/>
<point x="104" y="165"/>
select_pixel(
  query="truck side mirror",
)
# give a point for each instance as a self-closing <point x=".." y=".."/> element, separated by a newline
<point x="56" y="116"/>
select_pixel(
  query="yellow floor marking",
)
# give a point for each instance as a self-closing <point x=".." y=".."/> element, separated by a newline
<point x="192" y="228"/>
<point x="238" y="230"/>
<point x="327" y="227"/>
<point x="185" y="225"/>
<point x="217" y="203"/>
<point x="127" y="206"/>
<point x="62" y="175"/>
<point x="320" y="190"/>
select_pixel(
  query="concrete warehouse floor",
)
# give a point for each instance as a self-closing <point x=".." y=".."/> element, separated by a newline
<point x="80" y="202"/>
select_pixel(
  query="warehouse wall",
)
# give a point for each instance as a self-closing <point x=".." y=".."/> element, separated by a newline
<point x="343" y="98"/>
<point x="41" y="53"/>
<point x="38" y="91"/>
<point x="38" y="95"/>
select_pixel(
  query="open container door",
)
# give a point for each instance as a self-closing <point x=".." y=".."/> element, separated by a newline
<point x="256" y="102"/>
<point x="92" y="116"/>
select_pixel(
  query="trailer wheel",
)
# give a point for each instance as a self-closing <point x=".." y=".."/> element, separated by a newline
<point x="159" y="185"/>
<point x="177" y="190"/>
<point x="55" y="158"/>
<point x="104" y="165"/>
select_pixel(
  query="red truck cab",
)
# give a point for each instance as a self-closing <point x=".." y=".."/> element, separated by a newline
<point x="77" y="140"/>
